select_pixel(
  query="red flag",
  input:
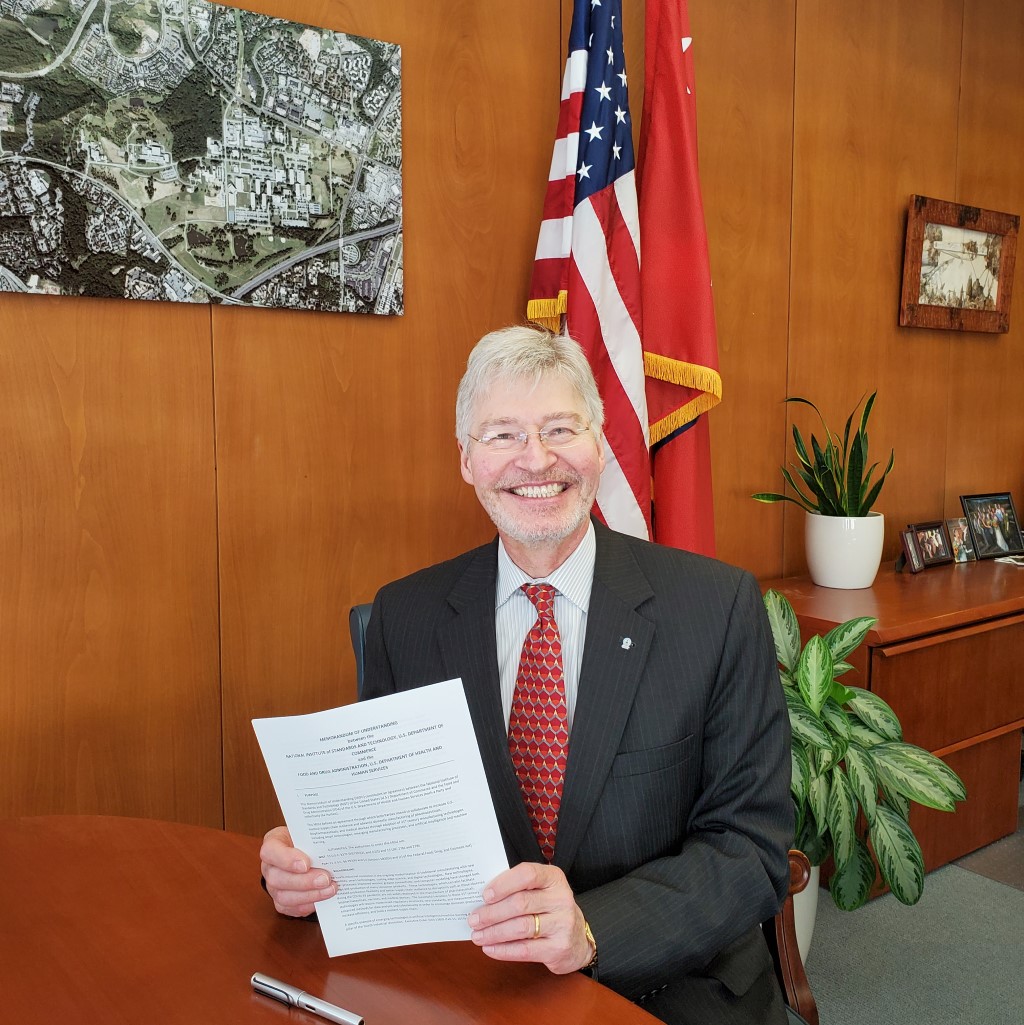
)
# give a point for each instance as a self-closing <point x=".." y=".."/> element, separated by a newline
<point x="587" y="266"/>
<point x="680" y="344"/>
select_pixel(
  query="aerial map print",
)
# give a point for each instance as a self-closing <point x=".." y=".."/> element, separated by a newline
<point x="187" y="151"/>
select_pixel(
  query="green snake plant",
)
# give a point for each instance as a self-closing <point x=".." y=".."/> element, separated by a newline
<point x="849" y="757"/>
<point x="836" y="478"/>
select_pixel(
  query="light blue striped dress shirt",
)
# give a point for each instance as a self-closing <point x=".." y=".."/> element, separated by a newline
<point x="515" y="614"/>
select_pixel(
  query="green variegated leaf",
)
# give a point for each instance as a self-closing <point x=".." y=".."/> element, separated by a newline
<point x="826" y="757"/>
<point x="898" y="803"/>
<point x="876" y="713"/>
<point x="842" y="817"/>
<point x="799" y="814"/>
<point x="787" y="678"/>
<point x="944" y="775"/>
<point x="805" y="724"/>
<point x="809" y="840"/>
<point x="836" y="719"/>
<point x="801" y="772"/>
<point x="907" y="774"/>
<point x="785" y="629"/>
<point x="841" y="668"/>
<point x="817" y="798"/>
<point x="851" y="884"/>
<point x="863" y="734"/>
<point x="862" y="779"/>
<point x="814" y="673"/>
<point x="899" y="855"/>
<point x="842" y="639"/>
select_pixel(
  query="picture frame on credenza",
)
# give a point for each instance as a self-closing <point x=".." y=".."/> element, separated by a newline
<point x="992" y="521"/>
<point x="960" y="539"/>
<point x="932" y="542"/>
<point x="911" y="556"/>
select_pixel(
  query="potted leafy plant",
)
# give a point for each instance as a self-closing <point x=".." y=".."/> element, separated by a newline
<point x="843" y="536"/>
<point x="849" y="756"/>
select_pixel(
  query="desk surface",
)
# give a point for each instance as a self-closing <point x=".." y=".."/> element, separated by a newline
<point x="116" y="920"/>
<point x="912" y="604"/>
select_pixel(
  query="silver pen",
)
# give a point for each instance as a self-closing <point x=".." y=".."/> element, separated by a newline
<point x="295" y="997"/>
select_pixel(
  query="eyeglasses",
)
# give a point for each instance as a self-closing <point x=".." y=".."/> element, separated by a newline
<point x="554" y="436"/>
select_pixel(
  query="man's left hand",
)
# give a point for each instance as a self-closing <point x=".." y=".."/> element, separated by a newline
<point x="529" y="914"/>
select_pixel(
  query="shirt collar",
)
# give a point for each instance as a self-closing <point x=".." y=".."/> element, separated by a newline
<point x="573" y="579"/>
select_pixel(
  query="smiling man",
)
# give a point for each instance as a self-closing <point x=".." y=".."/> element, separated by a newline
<point x="627" y="706"/>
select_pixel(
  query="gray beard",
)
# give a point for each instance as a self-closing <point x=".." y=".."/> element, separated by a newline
<point x="540" y="534"/>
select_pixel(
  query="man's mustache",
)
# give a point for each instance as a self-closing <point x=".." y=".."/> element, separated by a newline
<point x="551" y="477"/>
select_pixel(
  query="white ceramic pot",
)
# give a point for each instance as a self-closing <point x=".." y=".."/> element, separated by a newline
<point x="844" y="551"/>
<point x="805" y="911"/>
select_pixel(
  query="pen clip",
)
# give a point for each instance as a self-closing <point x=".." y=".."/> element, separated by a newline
<point x="272" y="988"/>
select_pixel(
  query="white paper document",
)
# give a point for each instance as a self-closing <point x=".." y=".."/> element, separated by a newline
<point x="389" y="796"/>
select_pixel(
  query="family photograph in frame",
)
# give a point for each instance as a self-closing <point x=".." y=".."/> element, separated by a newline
<point x="932" y="542"/>
<point x="957" y="266"/>
<point x="960" y="539"/>
<point x="992" y="520"/>
<point x="911" y="556"/>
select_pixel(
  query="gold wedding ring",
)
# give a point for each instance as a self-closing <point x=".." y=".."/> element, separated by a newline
<point x="536" y="926"/>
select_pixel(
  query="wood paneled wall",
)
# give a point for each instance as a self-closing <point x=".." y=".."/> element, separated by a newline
<point x="109" y="678"/>
<point x="192" y="498"/>
<point x="818" y="121"/>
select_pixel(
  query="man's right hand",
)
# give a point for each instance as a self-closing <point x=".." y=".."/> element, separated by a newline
<point x="291" y="882"/>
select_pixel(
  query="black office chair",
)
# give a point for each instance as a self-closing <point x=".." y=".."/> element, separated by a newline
<point x="780" y="933"/>
<point x="358" y="620"/>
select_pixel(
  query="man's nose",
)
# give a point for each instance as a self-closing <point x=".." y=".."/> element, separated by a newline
<point x="536" y="455"/>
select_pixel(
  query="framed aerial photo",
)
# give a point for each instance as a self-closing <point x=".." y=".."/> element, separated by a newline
<point x="932" y="542"/>
<point x="960" y="538"/>
<point x="958" y="266"/>
<point x="195" y="152"/>
<point x="992" y="520"/>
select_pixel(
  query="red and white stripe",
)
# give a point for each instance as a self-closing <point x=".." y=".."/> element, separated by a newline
<point x="592" y="253"/>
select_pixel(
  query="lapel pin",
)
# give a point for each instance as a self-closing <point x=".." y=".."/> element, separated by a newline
<point x="627" y="643"/>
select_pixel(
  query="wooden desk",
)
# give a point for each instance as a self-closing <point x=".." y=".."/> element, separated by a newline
<point x="947" y="653"/>
<point x="116" y="920"/>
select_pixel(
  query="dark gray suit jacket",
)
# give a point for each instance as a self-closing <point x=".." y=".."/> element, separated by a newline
<point x="675" y="818"/>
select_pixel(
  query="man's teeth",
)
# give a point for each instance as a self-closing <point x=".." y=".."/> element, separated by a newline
<point x="539" y="490"/>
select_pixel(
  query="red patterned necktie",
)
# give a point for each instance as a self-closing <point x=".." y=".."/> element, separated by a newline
<point x="538" y="728"/>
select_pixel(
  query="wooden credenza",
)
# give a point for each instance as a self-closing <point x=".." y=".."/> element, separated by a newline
<point x="947" y="653"/>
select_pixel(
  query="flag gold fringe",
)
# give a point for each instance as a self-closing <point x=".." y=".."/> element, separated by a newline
<point x="687" y="375"/>
<point x="548" y="312"/>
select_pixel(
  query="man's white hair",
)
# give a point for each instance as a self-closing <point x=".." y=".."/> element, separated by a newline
<point x="525" y="353"/>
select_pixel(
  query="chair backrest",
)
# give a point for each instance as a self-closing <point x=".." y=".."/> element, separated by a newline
<point x="780" y="933"/>
<point x="358" y="618"/>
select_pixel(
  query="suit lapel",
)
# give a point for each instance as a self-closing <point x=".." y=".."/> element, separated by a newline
<point x="617" y="643"/>
<point x="469" y="649"/>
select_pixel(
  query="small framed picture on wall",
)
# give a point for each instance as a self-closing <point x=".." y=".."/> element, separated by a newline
<point x="957" y="266"/>
<point x="992" y="521"/>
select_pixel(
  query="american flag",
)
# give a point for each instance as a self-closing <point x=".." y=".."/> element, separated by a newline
<point x="587" y="265"/>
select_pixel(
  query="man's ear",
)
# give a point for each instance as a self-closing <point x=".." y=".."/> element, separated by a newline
<point x="467" y="470"/>
<point x="600" y="450"/>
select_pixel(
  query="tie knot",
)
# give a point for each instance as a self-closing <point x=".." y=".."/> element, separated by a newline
<point x="543" y="596"/>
